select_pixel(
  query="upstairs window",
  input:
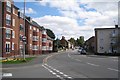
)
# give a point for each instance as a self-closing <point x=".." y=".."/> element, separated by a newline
<point x="21" y="15"/>
<point x="8" y="19"/>
<point x="21" y="27"/>
<point x="13" y="10"/>
<point x="9" y="3"/>
<point x="13" y="22"/>
<point x="13" y="34"/>
<point x="30" y="27"/>
<point x="8" y="6"/>
<point x="8" y="33"/>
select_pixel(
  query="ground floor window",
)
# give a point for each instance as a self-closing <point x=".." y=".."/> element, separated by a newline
<point x="7" y="47"/>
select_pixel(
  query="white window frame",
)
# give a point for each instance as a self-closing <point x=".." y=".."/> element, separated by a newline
<point x="30" y="27"/>
<point x="37" y="30"/>
<point x="8" y="3"/>
<point x="13" y="22"/>
<point x="35" y="47"/>
<point x="13" y="34"/>
<point x="30" y="36"/>
<point x="8" y="31"/>
<point x="34" y="29"/>
<point x="8" y="47"/>
<point x="13" y="46"/>
<point x="30" y="46"/>
<point x="8" y="18"/>
<point x="13" y="10"/>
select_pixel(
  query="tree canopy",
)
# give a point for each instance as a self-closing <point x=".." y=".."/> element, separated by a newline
<point x="80" y="41"/>
<point x="72" y="40"/>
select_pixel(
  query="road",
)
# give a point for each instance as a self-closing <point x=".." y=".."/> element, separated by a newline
<point x="69" y="65"/>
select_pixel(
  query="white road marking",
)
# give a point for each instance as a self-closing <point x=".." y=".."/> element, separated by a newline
<point x="65" y="75"/>
<point x="7" y="74"/>
<point x="92" y="64"/>
<point x="53" y="71"/>
<point x="61" y="73"/>
<point x="70" y="77"/>
<point x="57" y="71"/>
<point x="113" y="69"/>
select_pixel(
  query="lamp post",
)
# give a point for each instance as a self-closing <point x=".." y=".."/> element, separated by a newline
<point x="24" y="34"/>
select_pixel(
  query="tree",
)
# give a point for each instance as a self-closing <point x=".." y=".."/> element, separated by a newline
<point x="56" y="45"/>
<point x="50" y="33"/>
<point x="80" y="41"/>
<point x="72" y="40"/>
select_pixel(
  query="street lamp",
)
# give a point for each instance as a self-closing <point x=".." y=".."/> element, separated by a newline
<point x="24" y="34"/>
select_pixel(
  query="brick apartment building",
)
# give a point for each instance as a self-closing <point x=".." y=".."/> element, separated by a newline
<point x="34" y="37"/>
<point x="12" y="31"/>
<point x="8" y="30"/>
<point x="1" y="27"/>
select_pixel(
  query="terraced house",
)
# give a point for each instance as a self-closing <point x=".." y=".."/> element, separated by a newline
<point x="12" y="30"/>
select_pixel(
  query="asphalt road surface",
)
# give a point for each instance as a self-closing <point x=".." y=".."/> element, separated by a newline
<point x="68" y="65"/>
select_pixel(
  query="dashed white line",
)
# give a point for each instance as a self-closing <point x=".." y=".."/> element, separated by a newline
<point x="65" y="75"/>
<point x="70" y="77"/>
<point x="113" y="69"/>
<point x="49" y="68"/>
<point x="53" y="73"/>
<point x="57" y="71"/>
<point x="61" y="73"/>
<point x="92" y="64"/>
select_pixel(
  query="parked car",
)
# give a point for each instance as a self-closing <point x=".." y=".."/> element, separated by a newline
<point x="79" y="50"/>
<point x="83" y="51"/>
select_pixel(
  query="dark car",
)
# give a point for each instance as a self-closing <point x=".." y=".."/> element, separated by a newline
<point x="83" y="51"/>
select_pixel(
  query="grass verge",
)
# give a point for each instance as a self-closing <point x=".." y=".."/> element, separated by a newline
<point x="16" y="61"/>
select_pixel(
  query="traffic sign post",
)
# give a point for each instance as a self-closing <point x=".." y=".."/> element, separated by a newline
<point x="24" y="39"/>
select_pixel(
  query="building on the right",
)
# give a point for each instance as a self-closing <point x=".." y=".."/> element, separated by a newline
<point x="107" y="40"/>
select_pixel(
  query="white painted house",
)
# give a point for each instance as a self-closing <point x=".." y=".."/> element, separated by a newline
<point x="107" y="40"/>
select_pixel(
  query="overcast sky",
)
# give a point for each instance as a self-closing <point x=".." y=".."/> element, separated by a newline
<point x="72" y="18"/>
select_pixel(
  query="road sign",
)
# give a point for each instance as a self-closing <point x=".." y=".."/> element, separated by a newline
<point x="24" y="38"/>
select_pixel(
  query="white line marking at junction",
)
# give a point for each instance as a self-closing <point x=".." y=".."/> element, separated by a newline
<point x="113" y="69"/>
<point x="7" y="74"/>
<point x="92" y="64"/>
